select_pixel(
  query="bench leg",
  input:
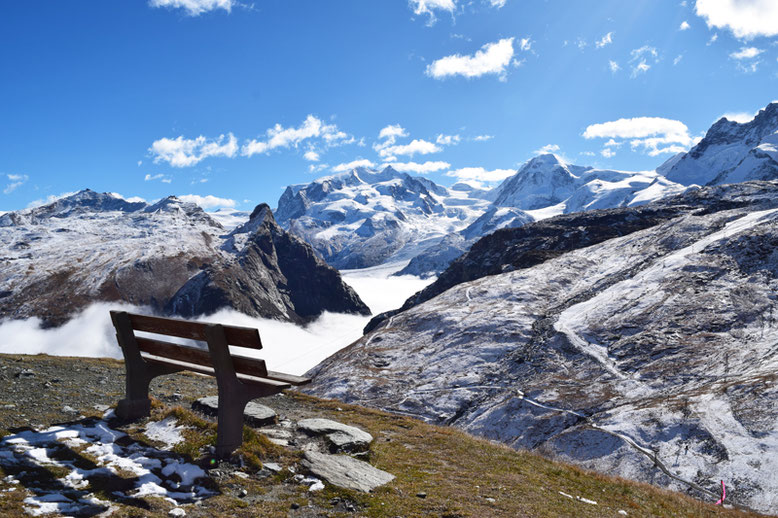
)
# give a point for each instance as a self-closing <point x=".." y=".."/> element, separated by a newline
<point x="137" y="403"/>
<point x="229" y="432"/>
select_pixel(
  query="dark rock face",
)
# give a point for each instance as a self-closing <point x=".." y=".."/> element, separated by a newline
<point x="274" y="275"/>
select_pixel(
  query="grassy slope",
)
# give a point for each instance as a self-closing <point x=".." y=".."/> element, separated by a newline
<point x="460" y="474"/>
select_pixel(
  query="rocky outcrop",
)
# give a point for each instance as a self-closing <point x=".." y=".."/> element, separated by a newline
<point x="272" y="275"/>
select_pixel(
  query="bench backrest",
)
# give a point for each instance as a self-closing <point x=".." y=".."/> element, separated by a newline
<point x="234" y="335"/>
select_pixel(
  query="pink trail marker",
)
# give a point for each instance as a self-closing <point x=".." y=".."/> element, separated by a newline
<point x="723" y="494"/>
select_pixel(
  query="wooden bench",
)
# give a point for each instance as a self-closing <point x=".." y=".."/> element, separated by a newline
<point x="239" y="378"/>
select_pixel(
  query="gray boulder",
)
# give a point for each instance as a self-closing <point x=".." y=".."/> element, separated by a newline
<point x="340" y="436"/>
<point x="254" y="414"/>
<point x="346" y="472"/>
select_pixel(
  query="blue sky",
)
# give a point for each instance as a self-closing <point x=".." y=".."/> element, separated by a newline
<point x="237" y="100"/>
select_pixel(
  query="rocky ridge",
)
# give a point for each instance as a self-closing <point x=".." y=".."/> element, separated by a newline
<point x="90" y="247"/>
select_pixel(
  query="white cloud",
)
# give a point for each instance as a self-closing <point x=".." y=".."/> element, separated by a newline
<point x="181" y="152"/>
<point x="161" y="177"/>
<point x="413" y="167"/>
<point x="741" y="117"/>
<point x="429" y="6"/>
<point x="608" y="152"/>
<point x="498" y="3"/>
<point x="280" y="137"/>
<point x="448" y="140"/>
<point x="684" y="26"/>
<point x="548" y="148"/>
<point x="613" y="66"/>
<point x="605" y="40"/>
<point x="525" y="44"/>
<point x="315" y="168"/>
<point x="712" y="39"/>
<point x="483" y="138"/>
<point x="677" y="59"/>
<point x="16" y="180"/>
<point x="207" y="202"/>
<point x="194" y="7"/>
<point x="640" y="59"/>
<point x="348" y="166"/>
<point x="416" y="146"/>
<point x="311" y="156"/>
<point x="392" y="132"/>
<point x="746" y="19"/>
<point x="588" y="153"/>
<point x="746" y="53"/>
<point x="479" y="175"/>
<point x="493" y="58"/>
<point x="655" y="135"/>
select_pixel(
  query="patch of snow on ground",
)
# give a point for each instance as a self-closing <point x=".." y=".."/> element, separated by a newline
<point x="155" y="472"/>
<point x="165" y="431"/>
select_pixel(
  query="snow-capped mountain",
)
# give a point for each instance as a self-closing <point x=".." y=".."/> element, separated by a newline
<point x="550" y="186"/>
<point x="59" y="258"/>
<point x="650" y="354"/>
<point x="731" y="152"/>
<point x="363" y="218"/>
<point x="545" y="186"/>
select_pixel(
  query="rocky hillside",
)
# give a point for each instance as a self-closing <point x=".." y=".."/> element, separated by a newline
<point x="650" y="354"/>
<point x="62" y="453"/>
<point x="59" y="258"/>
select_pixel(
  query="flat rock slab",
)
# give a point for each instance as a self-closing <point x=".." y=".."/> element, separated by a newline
<point x="254" y="414"/>
<point x="342" y="437"/>
<point x="346" y="472"/>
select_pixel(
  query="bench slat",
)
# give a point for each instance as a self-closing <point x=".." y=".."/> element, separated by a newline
<point x="288" y="378"/>
<point x="202" y="369"/>
<point x="242" y="364"/>
<point x="238" y="336"/>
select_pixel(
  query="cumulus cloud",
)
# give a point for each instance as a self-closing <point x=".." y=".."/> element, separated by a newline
<point x="640" y="58"/>
<point x="348" y="166"/>
<point x="194" y="7"/>
<point x="207" y="202"/>
<point x="448" y="140"/>
<point x="280" y="137"/>
<point x="423" y="168"/>
<point x="15" y="181"/>
<point x="746" y="53"/>
<point x="684" y="26"/>
<point x="605" y="40"/>
<point x="161" y="177"/>
<point x="429" y="7"/>
<point x="311" y="156"/>
<point x="712" y="39"/>
<point x="480" y="176"/>
<point x="492" y="58"/>
<point x="747" y="19"/>
<point x="416" y="146"/>
<point x="498" y="3"/>
<point x="614" y="66"/>
<point x="654" y="135"/>
<point x="182" y="152"/>
<point x="607" y="152"/>
<point x="392" y="132"/>
<point x="483" y="138"/>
